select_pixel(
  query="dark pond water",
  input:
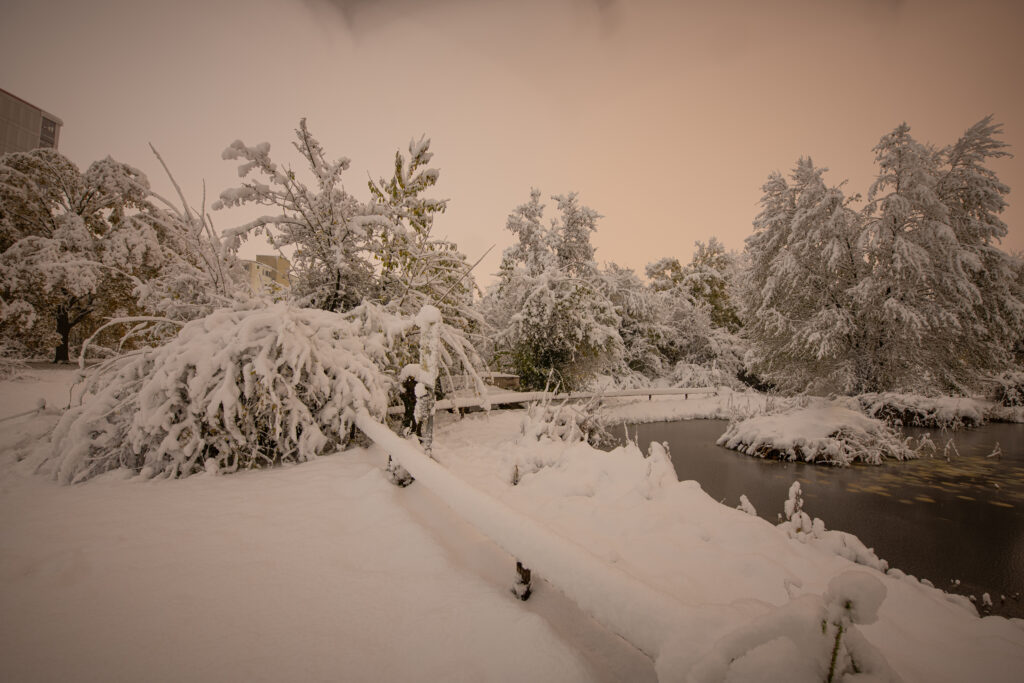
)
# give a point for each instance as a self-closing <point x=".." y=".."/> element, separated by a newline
<point x="957" y="516"/>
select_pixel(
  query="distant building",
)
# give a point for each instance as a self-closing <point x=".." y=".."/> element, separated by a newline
<point x="268" y="274"/>
<point x="24" y="127"/>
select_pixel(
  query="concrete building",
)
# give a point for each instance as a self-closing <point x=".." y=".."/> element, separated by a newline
<point x="24" y="126"/>
<point x="268" y="273"/>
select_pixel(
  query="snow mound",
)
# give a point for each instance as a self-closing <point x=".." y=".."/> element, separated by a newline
<point x="819" y="433"/>
<point x="810" y="638"/>
<point x="247" y="389"/>
<point x="913" y="410"/>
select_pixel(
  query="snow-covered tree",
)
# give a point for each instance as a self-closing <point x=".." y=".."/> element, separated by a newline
<point x="73" y="245"/>
<point x="708" y="276"/>
<point x="197" y="274"/>
<point x="911" y="292"/>
<point x="417" y="269"/>
<point x="799" y="312"/>
<point x="554" y="319"/>
<point x="332" y="233"/>
<point x="692" y="342"/>
<point x="350" y="255"/>
<point x="233" y="390"/>
<point x="643" y="326"/>
<point x="938" y="283"/>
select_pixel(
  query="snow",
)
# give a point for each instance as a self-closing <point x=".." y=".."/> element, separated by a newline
<point x="726" y="405"/>
<point x="822" y="431"/>
<point x="947" y="412"/>
<point x="725" y="567"/>
<point x="324" y="570"/>
<point x="303" y="573"/>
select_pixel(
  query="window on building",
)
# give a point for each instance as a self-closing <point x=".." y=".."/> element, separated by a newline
<point x="48" y="133"/>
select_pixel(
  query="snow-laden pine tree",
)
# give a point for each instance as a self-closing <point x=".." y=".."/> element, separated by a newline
<point x="911" y="292"/>
<point x="975" y="197"/>
<point x="555" y="322"/>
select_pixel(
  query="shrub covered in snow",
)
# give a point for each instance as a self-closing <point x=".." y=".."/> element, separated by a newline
<point x="802" y="527"/>
<point x="565" y="421"/>
<point x="810" y="638"/>
<point x="1009" y="389"/>
<point x="820" y="433"/>
<point x="234" y="390"/>
<point x="913" y="410"/>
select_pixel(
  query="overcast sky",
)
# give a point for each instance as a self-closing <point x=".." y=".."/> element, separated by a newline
<point x="666" y="117"/>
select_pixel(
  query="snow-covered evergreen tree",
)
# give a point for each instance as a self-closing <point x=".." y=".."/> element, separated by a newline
<point x="417" y="269"/>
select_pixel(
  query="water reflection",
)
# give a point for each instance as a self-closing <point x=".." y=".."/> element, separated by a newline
<point x="958" y="515"/>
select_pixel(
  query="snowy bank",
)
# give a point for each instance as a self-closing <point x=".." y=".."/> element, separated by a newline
<point x="823" y="432"/>
<point x="914" y="410"/>
<point x="728" y="569"/>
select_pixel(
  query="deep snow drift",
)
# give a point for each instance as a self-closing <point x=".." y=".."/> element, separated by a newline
<point x="325" y="571"/>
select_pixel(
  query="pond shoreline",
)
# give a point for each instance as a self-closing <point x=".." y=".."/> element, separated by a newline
<point x="955" y="519"/>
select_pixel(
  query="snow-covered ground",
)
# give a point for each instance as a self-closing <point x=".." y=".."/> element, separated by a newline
<point x="325" y="571"/>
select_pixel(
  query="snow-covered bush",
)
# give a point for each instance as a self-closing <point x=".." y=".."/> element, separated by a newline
<point x="234" y="390"/>
<point x="810" y="638"/>
<point x="826" y="433"/>
<point x="1009" y="389"/>
<point x="566" y="421"/>
<point x="692" y="375"/>
<point x="913" y="410"/>
<point x="12" y="365"/>
<point x="550" y="309"/>
<point x="802" y="527"/>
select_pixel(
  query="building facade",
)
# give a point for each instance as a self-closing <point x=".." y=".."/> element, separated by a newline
<point x="24" y="126"/>
<point x="268" y="274"/>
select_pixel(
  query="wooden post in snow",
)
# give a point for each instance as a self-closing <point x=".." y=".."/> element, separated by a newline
<point x="429" y="322"/>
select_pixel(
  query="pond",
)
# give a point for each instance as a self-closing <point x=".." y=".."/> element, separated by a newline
<point x="956" y="519"/>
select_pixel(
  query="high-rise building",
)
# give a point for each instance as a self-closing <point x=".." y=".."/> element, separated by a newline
<point x="24" y="126"/>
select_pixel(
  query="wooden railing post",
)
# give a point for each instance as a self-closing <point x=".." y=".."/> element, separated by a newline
<point x="429" y="322"/>
<point x="523" y="587"/>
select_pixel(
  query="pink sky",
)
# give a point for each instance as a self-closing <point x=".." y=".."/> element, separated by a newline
<point x="666" y="117"/>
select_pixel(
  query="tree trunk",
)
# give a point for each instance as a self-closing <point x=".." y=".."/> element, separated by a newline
<point x="64" y="330"/>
